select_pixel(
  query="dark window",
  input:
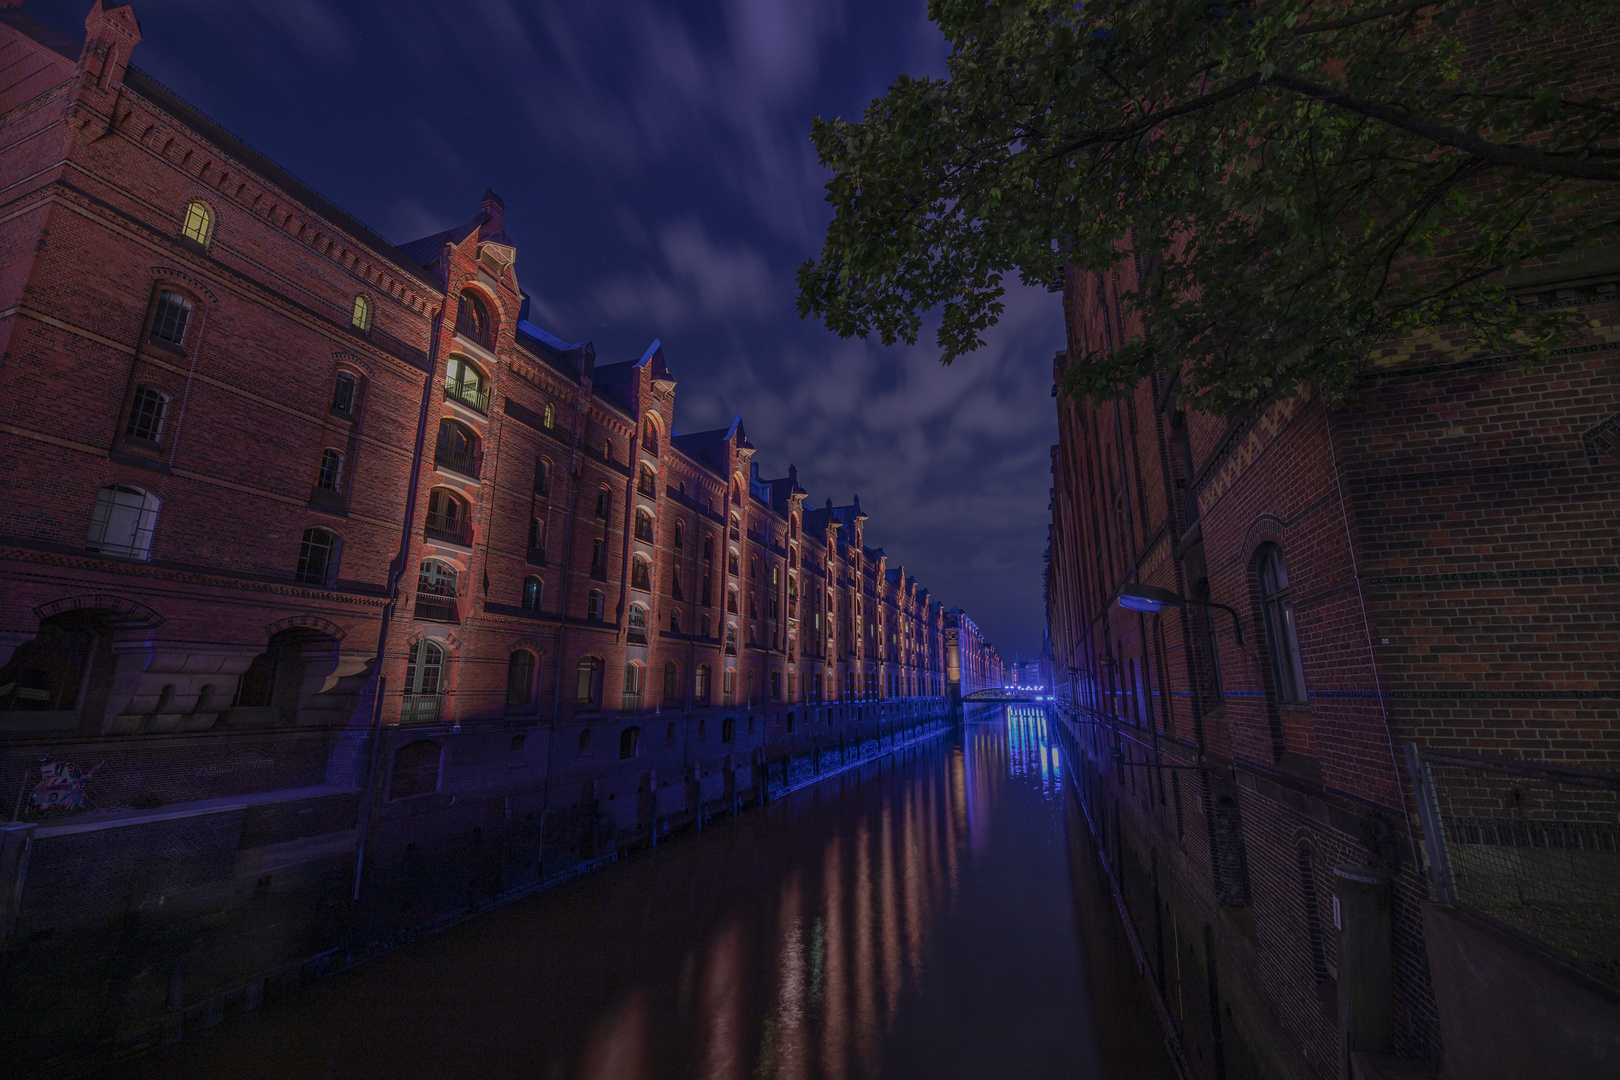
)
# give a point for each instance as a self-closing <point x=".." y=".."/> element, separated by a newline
<point x="708" y="549"/>
<point x="649" y="438"/>
<point x="542" y="476"/>
<point x="446" y="516"/>
<point x="776" y="686"/>
<point x="173" y="315"/>
<point x="331" y="474"/>
<point x="520" y="677"/>
<point x="672" y="687"/>
<point x="594" y="606"/>
<point x="416" y="769"/>
<point x="648" y="483"/>
<point x="472" y="319"/>
<point x="640" y="574"/>
<point x="343" y="392"/>
<point x="604" y="503"/>
<point x="728" y="729"/>
<point x="317" y="557"/>
<point x="644" y="526"/>
<point x="674" y="622"/>
<point x="675" y="582"/>
<point x="588" y="687"/>
<point x="47" y="673"/>
<point x="707" y="626"/>
<point x="676" y="540"/>
<point x="1313" y="914"/>
<point x="533" y="593"/>
<point x="599" y="556"/>
<point x="537" y="535"/>
<point x="457" y="449"/>
<point x="1282" y="638"/>
<point x="146" y="415"/>
<point x="629" y="743"/>
<point x="585" y="741"/>
<point x="701" y="691"/>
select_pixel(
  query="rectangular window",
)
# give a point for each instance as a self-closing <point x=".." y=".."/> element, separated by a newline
<point x="146" y="415"/>
<point x="331" y="474"/>
<point x="173" y="313"/>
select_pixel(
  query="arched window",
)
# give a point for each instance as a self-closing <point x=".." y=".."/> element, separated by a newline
<point x="588" y="684"/>
<point x="640" y="573"/>
<point x="607" y="449"/>
<point x="542" y="476"/>
<point x="701" y="690"/>
<point x="456" y="449"/>
<point x="647" y="482"/>
<point x="728" y="683"/>
<point x="47" y="673"/>
<point x="728" y="729"/>
<point x="751" y="674"/>
<point x="632" y="689"/>
<point x="173" y="316"/>
<point x="674" y="622"/>
<point x="548" y="419"/>
<point x="731" y="639"/>
<point x="604" y="503"/>
<point x="446" y="516"/>
<point x="360" y="317"/>
<point x="1282" y="639"/>
<point x="649" y="437"/>
<point x="1313" y="913"/>
<point x="537" y="536"/>
<point x="708" y="627"/>
<point x="595" y="605"/>
<point x="629" y="743"/>
<point x="436" y="591"/>
<point x="534" y="593"/>
<point x="599" y="556"/>
<point x="731" y="562"/>
<point x="198" y="224"/>
<point x="330" y="476"/>
<point x="146" y="414"/>
<point x="416" y="769"/>
<point x="465" y="384"/>
<point x="318" y="557"/>
<point x="753" y="569"/>
<point x="644" y="526"/>
<point x="731" y="600"/>
<point x="584" y="741"/>
<point x="708" y="549"/>
<point x="672" y="684"/>
<point x="344" y="390"/>
<point x="520" y="678"/>
<point x="472" y="318"/>
<point x="677" y="538"/>
<point x="123" y="521"/>
<point x="637" y="625"/>
<point x="424" y="682"/>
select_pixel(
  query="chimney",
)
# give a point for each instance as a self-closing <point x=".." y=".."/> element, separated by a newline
<point x="110" y="35"/>
<point x="495" y="207"/>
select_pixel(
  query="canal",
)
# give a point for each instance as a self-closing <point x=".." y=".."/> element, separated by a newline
<point x="937" y="914"/>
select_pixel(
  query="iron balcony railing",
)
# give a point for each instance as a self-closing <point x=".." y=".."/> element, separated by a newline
<point x="446" y="527"/>
<point x="420" y="709"/>
<point x="467" y="394"/>
<point x="465" y="463"/>
<point x="632" y="701"/>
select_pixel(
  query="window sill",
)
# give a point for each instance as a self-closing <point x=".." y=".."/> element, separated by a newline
<point x="141" y="461"/>
<point x="327" y="502"/>
<point x="536" y="557"/>
<point x="166" y="346"/>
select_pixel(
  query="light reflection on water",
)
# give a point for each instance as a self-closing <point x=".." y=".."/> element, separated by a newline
<point x="915" y="918"/>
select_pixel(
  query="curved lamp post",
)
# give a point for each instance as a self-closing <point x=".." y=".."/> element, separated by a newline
<point x="1150" y="598"/>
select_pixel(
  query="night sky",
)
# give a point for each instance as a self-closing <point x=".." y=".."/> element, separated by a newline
<point x="660" y="183"/>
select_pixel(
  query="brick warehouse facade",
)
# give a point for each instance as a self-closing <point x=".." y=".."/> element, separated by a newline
<point x="1367" y="826"/>
<point x="339" y="549"/>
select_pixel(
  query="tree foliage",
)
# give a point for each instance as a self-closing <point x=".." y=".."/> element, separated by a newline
<point x="1296" y="180"/>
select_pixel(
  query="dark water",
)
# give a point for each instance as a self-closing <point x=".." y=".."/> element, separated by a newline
<point x="937" y="915"/>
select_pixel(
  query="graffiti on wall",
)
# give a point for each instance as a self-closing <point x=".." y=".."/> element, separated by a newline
<point x="61" y="786"/>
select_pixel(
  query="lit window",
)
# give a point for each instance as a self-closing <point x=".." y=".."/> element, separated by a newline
<point x="198" y="225"/>
<point x="331" y="474"/>
<point x="122" y="522"/>
<point x="472" y="319"/>
<point x="343" y="393"/>
<point x="648" y="483"/>
<point x="317" y="557"/>
<point x="550" y="418"/>
<point x="640" y="574"/>
<point x="644" y="526"/>
<point x="464" y="383"/>
<point x="360" y="318"/>
<point x="534" y="591"/>
<point x="447" y="516"/>
<point x="173" y="315"/>
<point x="146" y="415"/>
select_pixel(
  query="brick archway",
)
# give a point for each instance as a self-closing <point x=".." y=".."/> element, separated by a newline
<point x="312" y="622"/>
<point x="131" y="613"/>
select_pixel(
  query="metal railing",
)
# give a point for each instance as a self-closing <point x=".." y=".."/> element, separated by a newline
<point x="420" y="709"/>
<point x="1534" y="845"/>
<point x="467" y="394"/>
<point x="466" y="463"/>
<point x="446" y="527"/>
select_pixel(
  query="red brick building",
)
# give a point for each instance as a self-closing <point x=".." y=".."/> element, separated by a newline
<point x="1319" y="793"/>
<point x="300" y="516"/>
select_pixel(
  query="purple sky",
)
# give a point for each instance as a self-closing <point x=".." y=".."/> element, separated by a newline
<point x="659" y="180"/>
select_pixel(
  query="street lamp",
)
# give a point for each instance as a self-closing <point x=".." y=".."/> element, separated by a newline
<point x="1150" y="598"/>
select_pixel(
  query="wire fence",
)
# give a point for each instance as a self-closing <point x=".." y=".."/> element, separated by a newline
<point x="1533" y="845"/>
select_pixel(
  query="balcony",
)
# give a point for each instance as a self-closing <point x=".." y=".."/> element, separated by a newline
<point x="420" y="709"/>
<point x="447" y="527"/>
<point x="468" y="394"/>
<point x="466" y="463"/>
<point x="436" y="609"/>
<point x="632" y="701"/>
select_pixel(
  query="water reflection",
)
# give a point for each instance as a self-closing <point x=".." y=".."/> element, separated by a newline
<point x="912" y="918"/>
